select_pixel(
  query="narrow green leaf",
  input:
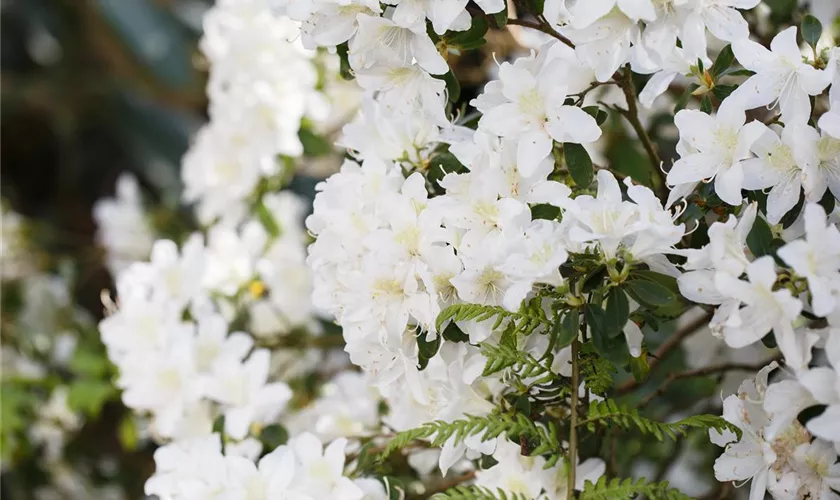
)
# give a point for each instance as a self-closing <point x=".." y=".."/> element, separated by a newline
<point x="723" y="91"/>
<point x="273" y="436"/>
<point x="566" y="328"/>
<point x="724" y="60"/>
<point x="345" y="70"/>
<point x="811" y="30"/>
<point x="684" y="97"/>
<point x="579" y="164"/>
<point x="267" y="220"/>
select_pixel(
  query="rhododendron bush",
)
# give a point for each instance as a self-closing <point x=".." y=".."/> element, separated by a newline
<point x="574" y="249"/>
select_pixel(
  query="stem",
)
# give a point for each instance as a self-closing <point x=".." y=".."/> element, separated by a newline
<point x="632" y="115"/>
<point x="574" y="420"/>
<point x="672" y="342"/>
<point x="541" y="26"/>
<point x="702" y="372"/>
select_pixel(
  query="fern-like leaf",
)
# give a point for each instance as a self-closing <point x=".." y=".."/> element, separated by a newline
<point x="630" y="488"/>
<point x="477" y="493"/>
<point x="523" y="364"/>
<point x="524" y="321"/>
<point x="609" y="412"/>
<point x="545" y="437"/>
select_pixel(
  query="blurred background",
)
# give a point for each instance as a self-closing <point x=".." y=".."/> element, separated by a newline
<point x="90" y="89"/>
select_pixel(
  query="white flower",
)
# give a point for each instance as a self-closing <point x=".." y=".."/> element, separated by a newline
<point x="781" y="76"/>
<point x="518" y="474"/>
<point x="584" y="14"/>
<point x="122" y="227"/>
<point x="382" y="41"/>
<point x="247" y="397"/>
<point x="720" y="145"/>
<point x="765" y="310"/>
<point x="817" y="258"/>
<point x="605" y="44"/>
<point x="780" y="166"/>
<point x="720" y="17"/>
<point x="824" y="173"/>
<point x="529" y="106"/>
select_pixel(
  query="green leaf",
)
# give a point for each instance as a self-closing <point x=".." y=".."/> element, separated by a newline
<point x="612" y="347"/>
<point x="706" y="105"/>
<point x="596" y="112"/>
<point x="609" y="412"/>
<point x="566" y="328"/>
<point x="685" y="96"/>
<point x="544" y="211"/>
<point x="267" y="220"/>
<point x="639" y="366"/>
<point x="781" y="10"/>
<point x="650" y="293"/>
<point x="274" y="435"/>
<point x="617" y="311"/>
<point x="811" y="30"/>
<point x="473" y="37"/>
<point x="536" y="6"/>
<point x="629" y="488"/>
<point x="454" y="334"/>
<point x="314" y="145"/>
<point x="760" y="238"/>
<point x="426" y="348"/>
<point x="790" y="217"/>
<point x="344" y="62"/>
<point x="88" y="364"/>
<point x="127" y="433"/>
<point x="501" y="18"/>
<point x="475" y="492"/>
<point x="89" y="396"/>
<point x="579" y="163"/>
<point x="453" y="88"/>
<point x="441" y="164"/>
<point x="724" y="60"/>
<point x="723" y="91"/>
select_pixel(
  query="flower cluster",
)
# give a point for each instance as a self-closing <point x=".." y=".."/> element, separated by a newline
<point x="302" y="468"/>
<point x="262" y="83"/>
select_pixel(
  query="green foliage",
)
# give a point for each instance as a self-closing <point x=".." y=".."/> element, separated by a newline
<point x="89" y="396"/>
<point x="595" y="370"/>
<point x="267" y="220"/>
<point x="724" y="60"/>
<point x="630" y="488"/>
<point x="524" y="321"/>
<point x="501" y="18"/>
<point x="608" y="412"/>
<point x="473" y="38"/>
<point x="579" y="164"/>
<point x="760" y="238"/>
<point x="564" y="330"/>
<point x="477" y="493"/>
<point x="811" y="30"/>
<point x="523" y="364"/>
<point x="426" y="349"/>
<point x="545" y="438"/>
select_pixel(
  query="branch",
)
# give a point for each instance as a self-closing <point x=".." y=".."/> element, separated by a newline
<point x="632" y="114"/>
<point x="572" y="459"/>
<point x="702" y="372"/>
<point x="673" y="341"/>
<point x="541" y="26"/>
<point x="446" y="484"/>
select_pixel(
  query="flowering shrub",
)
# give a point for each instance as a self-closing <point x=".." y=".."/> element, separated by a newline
<point x="536" y="286"/>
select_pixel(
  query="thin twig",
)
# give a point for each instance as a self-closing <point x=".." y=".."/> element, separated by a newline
<point x="449" y="483"/>
<point x="573" y="423"/>
<point x="632" y="115"/>
<point x="702" y="372"/>
<point x="673" y="341"/>
<point x="541" y="26"/>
